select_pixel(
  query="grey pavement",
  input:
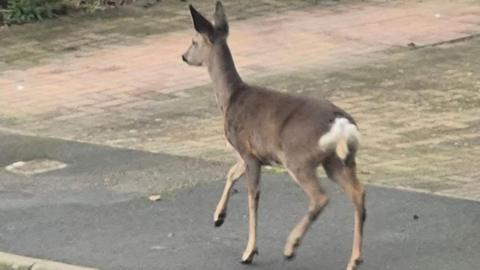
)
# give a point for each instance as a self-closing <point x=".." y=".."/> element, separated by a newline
<point x="96" y="213"/>
<point x="93" y="170"/>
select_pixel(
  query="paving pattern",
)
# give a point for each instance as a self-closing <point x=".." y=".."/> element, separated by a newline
<point x="128" y="76"/>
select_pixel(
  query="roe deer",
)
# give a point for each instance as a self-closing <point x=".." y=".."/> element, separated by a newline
<point x="266" y="127"/>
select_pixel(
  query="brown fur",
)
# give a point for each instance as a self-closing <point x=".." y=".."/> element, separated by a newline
<point x="269" y="127"/>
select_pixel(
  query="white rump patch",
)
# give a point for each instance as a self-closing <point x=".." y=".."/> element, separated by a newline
<point x="341" y="135"/>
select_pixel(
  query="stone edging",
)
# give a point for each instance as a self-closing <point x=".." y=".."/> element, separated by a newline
<point x="16" y="262"/>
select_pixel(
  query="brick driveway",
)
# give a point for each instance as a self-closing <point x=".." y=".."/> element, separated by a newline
<point x="126" y="77"/>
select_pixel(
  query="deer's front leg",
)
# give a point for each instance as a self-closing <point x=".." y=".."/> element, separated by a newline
<point x="235" y="172"/>
<point x="252" y="169"/>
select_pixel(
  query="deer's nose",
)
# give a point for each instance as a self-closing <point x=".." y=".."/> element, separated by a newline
<point x="184" y="59"/>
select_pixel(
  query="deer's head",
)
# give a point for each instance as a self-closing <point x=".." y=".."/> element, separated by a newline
<point x="207" y="34"/>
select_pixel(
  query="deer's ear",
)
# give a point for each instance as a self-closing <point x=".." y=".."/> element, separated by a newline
<point x="220" y="20"/>
<point x="201" y="25"/>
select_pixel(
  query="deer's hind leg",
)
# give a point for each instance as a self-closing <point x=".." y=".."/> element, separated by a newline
<point x="306" y="178"/>
<point x="344" y="173"/>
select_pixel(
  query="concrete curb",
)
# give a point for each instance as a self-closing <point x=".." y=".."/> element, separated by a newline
<point x="16" y="262"/>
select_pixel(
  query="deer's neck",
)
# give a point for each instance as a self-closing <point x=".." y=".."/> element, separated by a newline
<point x="224" y="75"/>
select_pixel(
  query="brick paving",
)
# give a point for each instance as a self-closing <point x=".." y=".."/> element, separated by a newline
<point x="276" y="44"/>
<point x="143" y="97"/>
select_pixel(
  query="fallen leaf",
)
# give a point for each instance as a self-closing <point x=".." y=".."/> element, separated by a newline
<point x="155" y="198"/>
<point x="158" y="248"/>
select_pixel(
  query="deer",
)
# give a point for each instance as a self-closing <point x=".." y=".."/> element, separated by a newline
<point x="267" y="127"/>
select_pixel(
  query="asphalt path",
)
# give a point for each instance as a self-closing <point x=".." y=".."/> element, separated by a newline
<point x="96" y="212"/>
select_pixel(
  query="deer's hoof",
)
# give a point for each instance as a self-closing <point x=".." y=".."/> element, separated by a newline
<point x="289" y="257"/>
<point x="289" y="253"/>
<point x="246" y="261"/>
<point x="290" y="248"/>
<point x="219" y="221"/>
<point x="248" y="257"/>
<point x="353" y="265"/>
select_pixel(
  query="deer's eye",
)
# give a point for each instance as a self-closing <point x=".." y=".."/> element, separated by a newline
<point x="194" y="43"/>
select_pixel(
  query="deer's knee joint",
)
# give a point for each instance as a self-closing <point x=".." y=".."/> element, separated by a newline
<point x="312" y="216"/>
<point x="317" y="207"/>
<point x="236" y="172"/>
<point x="322" y="201"/>
<point x="231" y="179"/>
<point x="254" y="193"/>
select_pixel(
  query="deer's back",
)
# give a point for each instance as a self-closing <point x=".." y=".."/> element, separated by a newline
<point x="269" y="124"/>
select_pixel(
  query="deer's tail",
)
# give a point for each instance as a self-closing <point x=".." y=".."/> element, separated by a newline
<point x="342" y="137"/>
